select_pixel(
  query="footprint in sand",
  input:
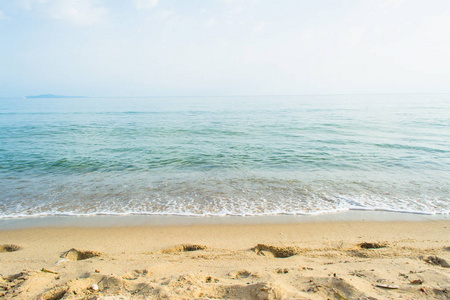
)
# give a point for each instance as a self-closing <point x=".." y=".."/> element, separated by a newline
<point x="135" y="274"/>
<point x="282" y="271"/>
<point x="74" y="254"/>
<point x="375" y="245"/>
<point x="9" y="248"/>
<point x="242" y="274"/>
<point x="54" y="294"/>
<point x="276" y="251"/>
<point x="210" y="279"/>
<point x="260" y="290"/>
<point x="364" y="250"/>
<point x="437" y="261"/>
<point x="184" y="248"/>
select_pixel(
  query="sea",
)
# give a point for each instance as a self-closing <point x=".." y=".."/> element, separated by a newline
<point x="225" y="156"/>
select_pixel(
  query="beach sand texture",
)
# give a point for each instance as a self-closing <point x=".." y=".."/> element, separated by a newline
<point x="334" y="260"/>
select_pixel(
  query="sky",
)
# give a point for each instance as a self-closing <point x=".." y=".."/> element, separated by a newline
<point x="223" y="47"/>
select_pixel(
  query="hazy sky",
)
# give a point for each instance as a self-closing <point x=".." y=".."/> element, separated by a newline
<point x="223" y="47"/>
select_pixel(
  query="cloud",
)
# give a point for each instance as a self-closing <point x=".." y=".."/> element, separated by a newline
<point x="161" y="15"/>
<point x="76" y="12"/>
<point x="79" y="13"/>
<point x="238" y="6"/>
<point x="28" y="4"/>
<point x="2" y="15"/>
<point x="210" y="22"/>
<point x="145" y="4"/>
<point x="391" y="3"/>
<point x="238" y="2"/>
<point x="258" y="27"/>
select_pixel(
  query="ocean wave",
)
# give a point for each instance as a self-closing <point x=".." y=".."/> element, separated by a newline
<point x="223" y="214"/>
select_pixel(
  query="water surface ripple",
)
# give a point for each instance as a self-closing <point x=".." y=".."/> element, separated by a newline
<point x="224" y="156"/>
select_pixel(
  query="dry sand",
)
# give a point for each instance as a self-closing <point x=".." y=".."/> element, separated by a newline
<point x="334" y="260"/>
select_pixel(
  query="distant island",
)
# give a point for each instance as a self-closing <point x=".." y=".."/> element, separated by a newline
<point x="52" y="96"/>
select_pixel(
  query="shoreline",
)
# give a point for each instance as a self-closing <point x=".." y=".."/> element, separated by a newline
<point x="179" y="220"/>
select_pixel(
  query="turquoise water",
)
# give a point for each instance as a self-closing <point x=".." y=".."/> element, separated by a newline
<point x="224" y="156"/>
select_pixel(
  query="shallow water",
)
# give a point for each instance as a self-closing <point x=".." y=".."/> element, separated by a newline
<point x="224" y="156"/>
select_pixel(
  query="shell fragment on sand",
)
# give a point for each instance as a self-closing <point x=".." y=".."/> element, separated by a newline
<point x="416" y="281"/>
<point x="388" y="286"/>
<point x="48" y="271"/>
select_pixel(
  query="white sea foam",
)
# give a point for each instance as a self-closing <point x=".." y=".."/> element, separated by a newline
<point x="222" y="214"/>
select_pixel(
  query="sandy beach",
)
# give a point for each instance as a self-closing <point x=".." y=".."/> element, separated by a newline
<point x="332" y="260"/>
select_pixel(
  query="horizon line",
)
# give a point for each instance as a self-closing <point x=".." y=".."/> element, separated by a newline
<point x="230" y="96"/>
